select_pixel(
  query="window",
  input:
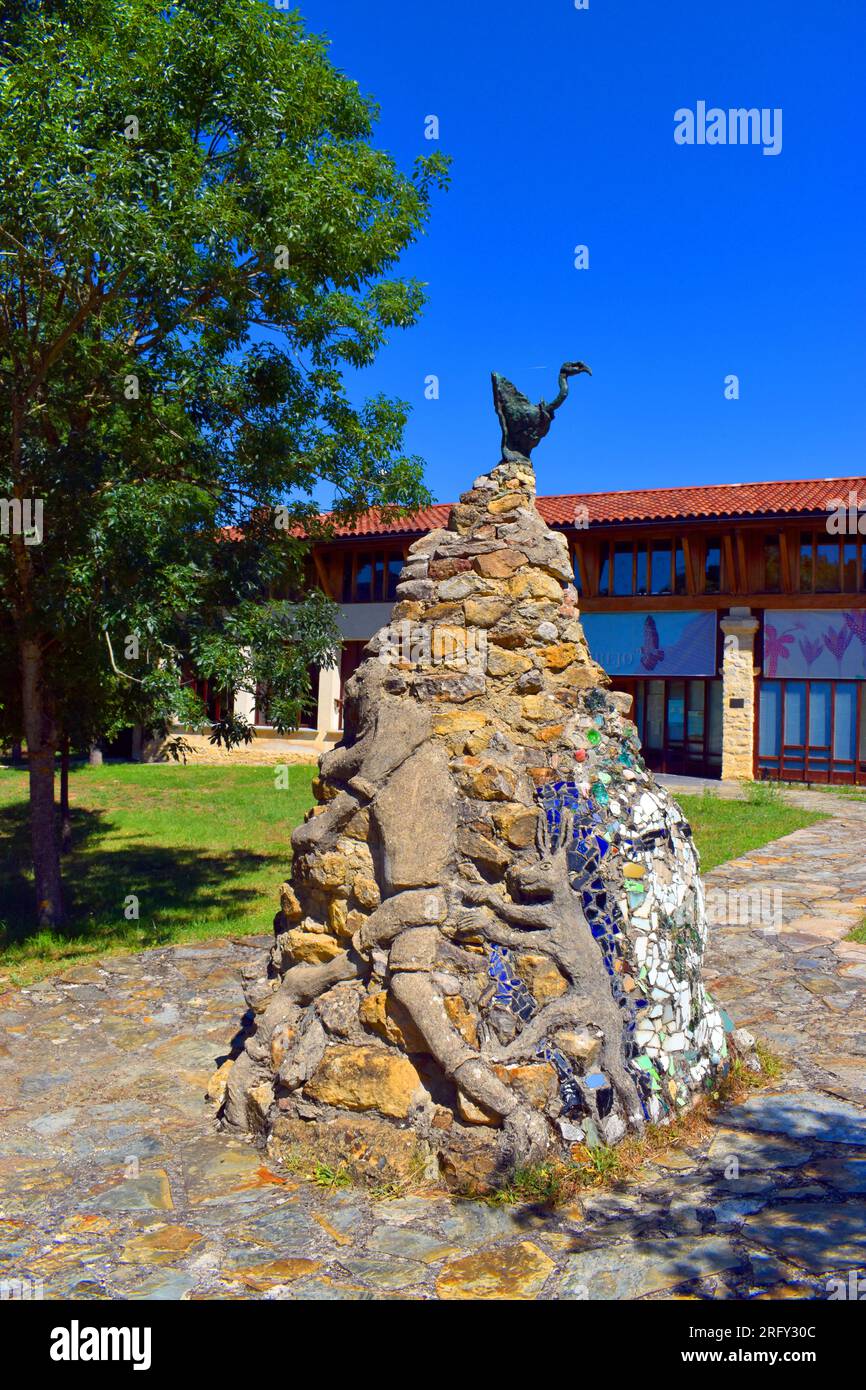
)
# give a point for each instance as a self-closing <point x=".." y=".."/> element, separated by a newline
<point x="262" y="716"/>
<point x="395" y="566"/>
<point x="371" y="576"/>
<point x="604" y="572"/>
<point x="309" y="707"/>
<point x="849" y="566"/>
<point x="642" y="567"/>
<point x="827" y="577"/>
<point x="713" y="567"/>
<point x="660" y="570"/>
<point x="623" y="568"/>
<point x="830" y="566"/>
<point x="363" y="582"/>
<point x="772" y="564"/>
<point x="575" y="569"/>
<point x="680" y="585"/>
<point x="217" y="702"/>
<point x="807" y="562"/>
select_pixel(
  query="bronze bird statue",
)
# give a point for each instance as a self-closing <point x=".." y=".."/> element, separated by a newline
<point x="523" y="424"/>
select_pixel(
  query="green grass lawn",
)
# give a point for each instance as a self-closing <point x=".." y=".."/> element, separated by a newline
<point x="204" y="850"/>
<point x="726" y="829"/>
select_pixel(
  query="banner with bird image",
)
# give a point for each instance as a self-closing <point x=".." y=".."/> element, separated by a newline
<point x="653" y="644"/>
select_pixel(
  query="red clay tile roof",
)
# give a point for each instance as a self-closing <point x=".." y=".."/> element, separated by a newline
<point x="416" y="524"/>
<point x="717" y="501"/>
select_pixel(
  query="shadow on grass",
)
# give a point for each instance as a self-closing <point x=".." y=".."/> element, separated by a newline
<point x="174" y="886"/>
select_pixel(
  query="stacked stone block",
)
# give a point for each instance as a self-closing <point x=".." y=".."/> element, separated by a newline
<point x="490" y="947"/>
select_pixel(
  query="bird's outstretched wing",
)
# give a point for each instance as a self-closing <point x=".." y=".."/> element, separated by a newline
<point x="510" y="391"/>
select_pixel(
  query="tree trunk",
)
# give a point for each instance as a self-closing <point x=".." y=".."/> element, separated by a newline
<point x="41" y="750"/>
<point x="17" y="755"/>
<point x="95" y="755"/>
<point x="65" y="817"/>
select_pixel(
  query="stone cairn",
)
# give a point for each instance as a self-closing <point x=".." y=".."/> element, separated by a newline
<point x="490" y="947"/>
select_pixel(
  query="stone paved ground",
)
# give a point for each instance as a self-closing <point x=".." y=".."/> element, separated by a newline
<point x="114" y="1183"/>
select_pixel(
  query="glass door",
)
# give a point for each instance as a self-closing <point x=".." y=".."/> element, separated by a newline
<point x="653" y="733"/>
<point x="679" y="723"/>
<point x="696" y="725"/>
<point x="675" y="759"/>
<point x="810" y="731"/>
<point x="715" y="721"/>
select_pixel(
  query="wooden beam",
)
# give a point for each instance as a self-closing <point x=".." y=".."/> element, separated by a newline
<point x="745" y="578"/>
<point x="693" y="551"/>
<point x="659" y="603"/>
<point x="730" y="574"/>
<point x="322" y="573"/>
<point x="589" y="568"/>
<point x="790" y="554"/>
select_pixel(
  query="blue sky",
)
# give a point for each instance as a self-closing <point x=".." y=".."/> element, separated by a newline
<point x="703" y="261"/>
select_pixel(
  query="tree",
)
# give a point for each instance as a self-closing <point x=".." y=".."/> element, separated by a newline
<point x="197" y="242"/>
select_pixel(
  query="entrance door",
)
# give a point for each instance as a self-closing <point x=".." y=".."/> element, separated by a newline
<point x="679" y="723"/>
<point x="811" y="731"/>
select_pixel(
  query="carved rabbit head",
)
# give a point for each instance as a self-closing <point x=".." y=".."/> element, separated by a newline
<point x="538" y="880"/>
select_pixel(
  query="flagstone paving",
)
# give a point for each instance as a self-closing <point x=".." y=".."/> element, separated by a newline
<point x="781" y="963"/>
<point x="115" y="1184"/>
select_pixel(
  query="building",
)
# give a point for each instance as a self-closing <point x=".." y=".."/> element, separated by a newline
<point x="734" y="615"/>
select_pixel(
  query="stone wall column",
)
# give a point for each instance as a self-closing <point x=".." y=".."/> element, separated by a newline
<point x="738" y="693"/>
<point x="329" y="719"/>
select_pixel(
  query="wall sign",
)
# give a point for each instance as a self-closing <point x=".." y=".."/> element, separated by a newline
<point x="653" y="644"/>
